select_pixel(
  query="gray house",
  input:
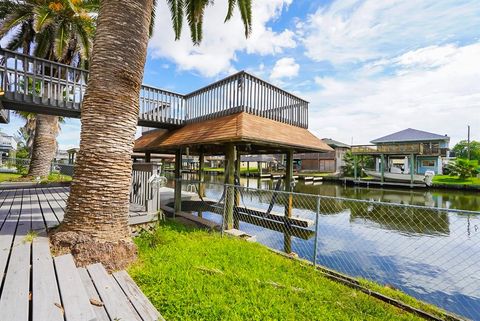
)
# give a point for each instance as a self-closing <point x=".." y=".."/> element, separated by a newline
<point x="427" y="150"/>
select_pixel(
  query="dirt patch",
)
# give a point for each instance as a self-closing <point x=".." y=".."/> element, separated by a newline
<point x="85" y="250"/>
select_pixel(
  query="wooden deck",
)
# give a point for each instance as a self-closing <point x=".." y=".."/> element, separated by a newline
<point x="38" y="287"/>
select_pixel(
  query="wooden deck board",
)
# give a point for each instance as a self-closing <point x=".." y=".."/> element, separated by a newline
<point x="46" y="304"/>
<point x="54" y="206"/>
<point x="51" y="220"/>
<point x="35" y="286"/>
<point x="14" y="302"/>
<point x="74" y="296"/>
<point x="141" y="303"/>
<point x="116" y="303"/>
<point x="93" y="294"/>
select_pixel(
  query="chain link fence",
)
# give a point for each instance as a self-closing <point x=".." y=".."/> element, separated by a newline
<point x="20" y="166"/>
<point x="432" y="254"/>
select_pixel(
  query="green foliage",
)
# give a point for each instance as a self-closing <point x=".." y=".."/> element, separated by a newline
<point x="463" y="168"/>
<point x="363" y="161"/>
<point x="461" y="150"/>
<point x="455" y="180"/>
<point x="61" y="30"/>
<point x="9" y="177"/>
<point x="192" y="274"/>
<point x="193" y="11"/>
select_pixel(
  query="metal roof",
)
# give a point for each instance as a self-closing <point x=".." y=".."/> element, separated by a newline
<point x="410" y="135"/>
<point x="334" y="143"/>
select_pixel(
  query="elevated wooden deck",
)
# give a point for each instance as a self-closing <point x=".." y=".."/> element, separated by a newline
<point x="38" y="287"/>
<point x="31" y="84"/>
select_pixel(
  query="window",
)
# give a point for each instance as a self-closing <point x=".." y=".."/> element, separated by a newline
<point x="428" y="163"/>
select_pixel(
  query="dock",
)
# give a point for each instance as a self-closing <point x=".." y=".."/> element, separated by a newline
<point x="373" y="183"/>
<point x="37" y="286"/>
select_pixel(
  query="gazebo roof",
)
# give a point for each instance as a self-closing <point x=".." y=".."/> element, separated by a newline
<point x="250" y="133"/>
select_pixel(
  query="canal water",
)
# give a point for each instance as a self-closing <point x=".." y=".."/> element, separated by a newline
<point x="433" y="255"/>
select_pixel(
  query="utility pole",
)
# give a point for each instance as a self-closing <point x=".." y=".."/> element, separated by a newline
<point x="468" y="143"/>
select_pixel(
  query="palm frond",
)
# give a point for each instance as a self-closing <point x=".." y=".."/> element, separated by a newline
<point x="176" y="13"/>
<point x="62" y="38"/>
<point x="12" y="20"/>
<point x="245" y="7"/>
<point x="43" y="17"/>
<point x="152" y="19"/>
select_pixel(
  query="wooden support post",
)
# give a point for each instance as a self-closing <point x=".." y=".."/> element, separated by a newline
<point x="382" y="167"/>
<point x="412" y="168"/>
<point x="355" y="174"/>
<point x="236" y="222"/>
<point x="201" y="174"/>
<point x="201" y="178"/>
<point x="178" y="181"/>
<point x="288" y="207"/>
<point x="148" y="157"/>
<point x="248" y="169"/>
<point x="259" y="164"/>
<point x="229" y="172"/>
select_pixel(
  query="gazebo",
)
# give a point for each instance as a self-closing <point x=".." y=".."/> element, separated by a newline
<point x="232" y="136"/>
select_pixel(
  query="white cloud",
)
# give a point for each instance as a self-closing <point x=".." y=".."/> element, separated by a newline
<point x="221" y="41"/>
<point x="360" y="30"/>
<point x="285" y="68"/>
<point x="441" y="94"/>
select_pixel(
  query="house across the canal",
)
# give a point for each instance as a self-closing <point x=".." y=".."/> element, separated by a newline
<point x="427" y="150"/>
<point x="328" y="162"/>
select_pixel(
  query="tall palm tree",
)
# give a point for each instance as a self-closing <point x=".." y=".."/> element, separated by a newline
<point x="98" y="203"/>
<point x="61" y="31"/>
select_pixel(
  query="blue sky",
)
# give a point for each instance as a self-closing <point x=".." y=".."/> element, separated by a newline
<point x="368" y="68"/>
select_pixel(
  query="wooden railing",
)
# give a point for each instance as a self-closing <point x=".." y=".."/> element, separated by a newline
<point x="247" y="93"/>
<point x="32" y="84"/>
<point x="407" y="148"/>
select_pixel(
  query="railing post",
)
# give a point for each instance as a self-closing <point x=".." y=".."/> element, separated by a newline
<point x="317" y="219"/>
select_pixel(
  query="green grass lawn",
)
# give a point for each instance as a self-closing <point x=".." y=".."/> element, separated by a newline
<point x="453" y="180"/>
<point x="52" y="178"/>
<point x="8" y="177"/>
<point x="192" y="274"/>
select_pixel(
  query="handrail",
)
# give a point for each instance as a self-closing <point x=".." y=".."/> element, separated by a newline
<point x="50" y="82"/>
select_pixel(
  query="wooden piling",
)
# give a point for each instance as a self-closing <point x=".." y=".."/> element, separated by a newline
<point x="178" y="181"/>
<point x="229" y="172"/>
<point x="288" y="207"/>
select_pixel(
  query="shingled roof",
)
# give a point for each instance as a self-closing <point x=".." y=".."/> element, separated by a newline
<point x="247" y="131"/>
<point x="410" y="135"/>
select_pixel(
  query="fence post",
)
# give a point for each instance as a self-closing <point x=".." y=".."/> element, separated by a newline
<point x="315" y="245"/>
<point x="225" y="191"/>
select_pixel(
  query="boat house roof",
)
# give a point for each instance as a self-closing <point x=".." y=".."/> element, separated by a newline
<point x="250" y="133"/>
<point x="410" y="135"/>
<point x="335" y="143"/>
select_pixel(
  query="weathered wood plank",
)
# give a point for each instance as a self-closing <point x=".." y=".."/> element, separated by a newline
<point x="46" y="304"/>
<point x="38" y="224"/>
<point x="7" y="231"/>
<point x="116" y="303"/>
<point x="56" y="208"/>
<point x="74" y="296"/>
<point x="93" y="294"/>
<point x="141" y="303"/>
<point x="6" y="205"/>
<point x="51" y="220"/>
<point x="14" y="302"/>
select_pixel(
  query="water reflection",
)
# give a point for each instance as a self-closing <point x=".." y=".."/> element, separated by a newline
<point x="454" y="199"/>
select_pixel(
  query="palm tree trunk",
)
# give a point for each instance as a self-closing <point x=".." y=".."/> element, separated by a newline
<point x="99" y="195"/>
<point x="44" y="145"/>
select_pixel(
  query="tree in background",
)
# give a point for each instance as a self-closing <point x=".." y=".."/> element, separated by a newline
<point x="461" y="150"/>
<point x="463" y="168"/>
<point x="97" y="208"/>
<point x="363" y="162"/>
<point x="60" y="31"/>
